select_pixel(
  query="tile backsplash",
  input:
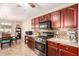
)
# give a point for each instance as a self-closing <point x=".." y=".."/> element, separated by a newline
<point x="66" y="33"/>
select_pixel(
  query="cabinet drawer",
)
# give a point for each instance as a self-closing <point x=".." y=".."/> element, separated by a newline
<point x="53" y="44"/>
<point x="52" y="51"/>
<point x="69" y="48"/>
<point x="66" y="53"/>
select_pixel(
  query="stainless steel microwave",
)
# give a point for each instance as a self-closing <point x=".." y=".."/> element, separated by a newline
<point x="45" y="25"/>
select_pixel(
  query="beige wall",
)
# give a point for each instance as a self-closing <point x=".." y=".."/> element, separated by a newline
<point x="26" y="26"/>
<point x="78" y="23"/>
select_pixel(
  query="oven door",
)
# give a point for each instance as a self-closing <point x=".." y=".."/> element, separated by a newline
<point x="40" y="46"/>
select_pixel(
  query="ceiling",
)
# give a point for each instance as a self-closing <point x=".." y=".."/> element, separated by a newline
<point x="14" y="12"/>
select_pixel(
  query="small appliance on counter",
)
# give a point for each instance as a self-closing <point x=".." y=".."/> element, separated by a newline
<point x="73" y="36"/>
<point x="28" y="32"/>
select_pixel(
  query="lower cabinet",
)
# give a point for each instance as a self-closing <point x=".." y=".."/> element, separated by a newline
<point x="66" y="53"/>
<point x="58" y="49"/>
<point x="52" y="48"/>
<point x="31" y="43"/>
<point x="78" y="51"/>
<point x="52" y="51"/>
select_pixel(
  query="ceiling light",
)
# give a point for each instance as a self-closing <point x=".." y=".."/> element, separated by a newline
<point x="2" y="23"/>
<point x="6" y="24"/>
<point x="9" y="24"/>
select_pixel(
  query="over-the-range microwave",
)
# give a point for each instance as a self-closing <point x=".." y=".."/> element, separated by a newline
<point x="45" y="25"/>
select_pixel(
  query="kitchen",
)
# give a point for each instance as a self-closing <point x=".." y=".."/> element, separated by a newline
<point x="43" y="31"/>
<point x="56" y="33"/>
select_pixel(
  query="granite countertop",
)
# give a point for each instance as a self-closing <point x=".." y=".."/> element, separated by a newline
<point x="62" y="41"/>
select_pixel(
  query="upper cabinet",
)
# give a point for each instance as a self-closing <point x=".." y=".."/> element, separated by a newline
<point x="46" y="17"/>
<point x="35" y="23"/>
<point x="69" y="17"/>
<point x="42" y="19"/>
<point x="55" y="19"/>
<point x="32" y="23"/>
<point x="64" y="18"/>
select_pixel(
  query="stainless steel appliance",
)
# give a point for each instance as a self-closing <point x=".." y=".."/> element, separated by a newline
<point x="73" y="36"/>
<point x="40" y="43"/>
<point x="45" y="25"/>
<point x="29" y="32"/>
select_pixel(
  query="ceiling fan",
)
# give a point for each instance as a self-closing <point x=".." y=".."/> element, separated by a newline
<point x="30" y="4"/>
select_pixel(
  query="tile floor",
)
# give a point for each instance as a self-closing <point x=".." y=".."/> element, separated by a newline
<point x="19" y="49"/>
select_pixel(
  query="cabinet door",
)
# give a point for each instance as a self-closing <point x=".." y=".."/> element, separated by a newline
<point x="36" y="23"/>
<point x="78" y="51"/>
<point x="55" y="18"/>
<point x="52" y="51"/>
<point x="48" y="17"/>
<point x="69" y="17"/>
<point x="66" y="53"/>
<point x="41" y="18"/>
<point x="37" y="20"/>
<point x="32" y="23"/>
<point x="32" y="43"/>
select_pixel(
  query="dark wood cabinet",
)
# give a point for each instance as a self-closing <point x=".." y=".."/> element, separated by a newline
<point x="64" y="18"/>
<point x="41" y="18"/>
<point x="35" y="23"/>
<point x="48" y="17"/>
<point x="58" y="49"/>
<point x="66" y="53"/>
<point x="52" y="49"/>
<point x="37" y="20"/>
<point x="78" y="51"/>
<point x="55" y="19"/>
<point x="66" y="50"/>
<point x="69" y="17"/>
<point x="31" y="43"/>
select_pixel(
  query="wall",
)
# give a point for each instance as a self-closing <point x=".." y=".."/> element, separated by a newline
<point x="78" y="22"/>
<point x="26" y="26"/>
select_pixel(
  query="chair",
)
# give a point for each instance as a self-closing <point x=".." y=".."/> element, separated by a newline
<point x="13" y="39"/>
<point x="5" y="40"/>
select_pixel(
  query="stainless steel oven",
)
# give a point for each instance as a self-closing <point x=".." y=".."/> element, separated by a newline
<point x="40" y="46"/>
<point x="40" y="43"/>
